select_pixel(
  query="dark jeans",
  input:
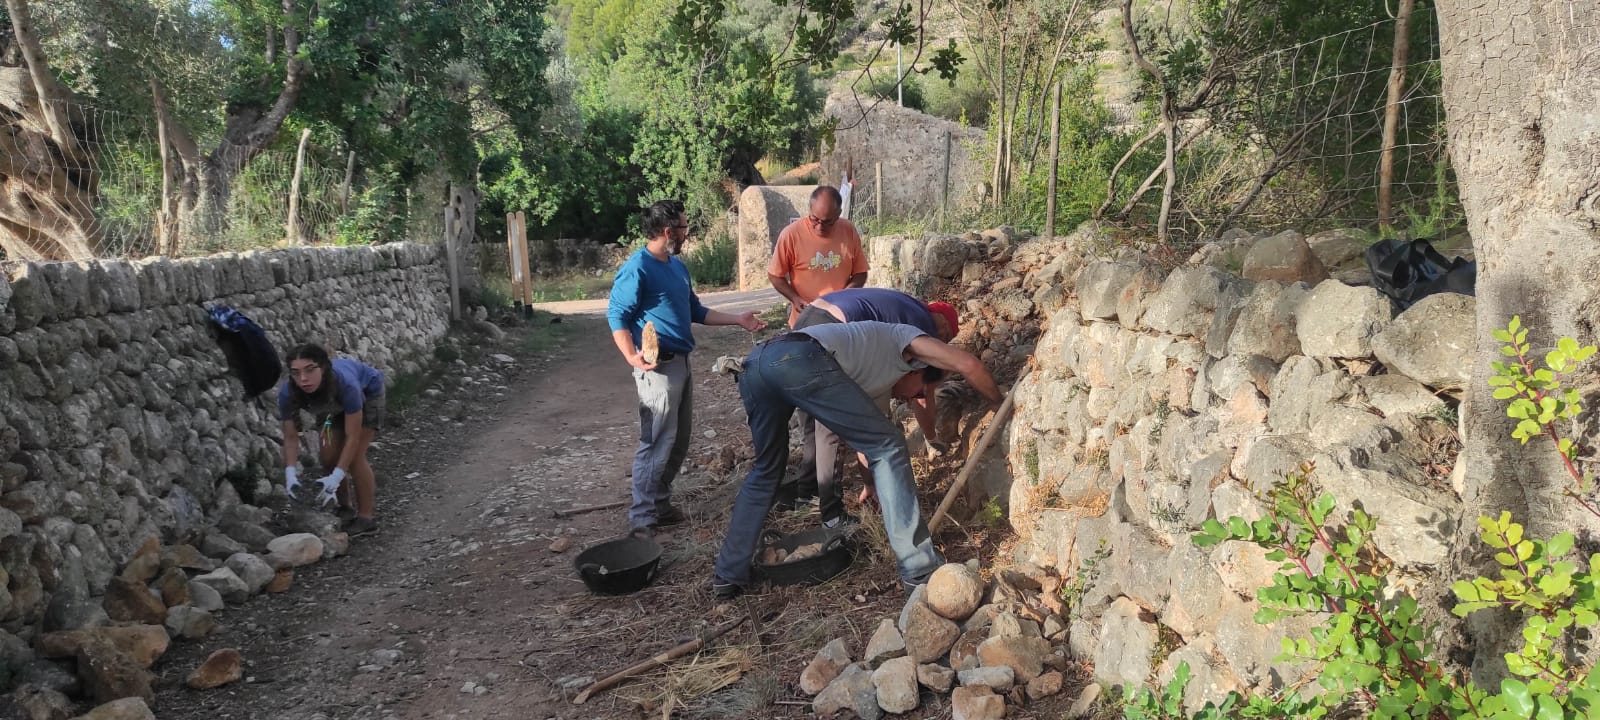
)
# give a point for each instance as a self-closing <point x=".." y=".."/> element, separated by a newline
<point x="794" y="372"/>
<point x="819" y="446"/>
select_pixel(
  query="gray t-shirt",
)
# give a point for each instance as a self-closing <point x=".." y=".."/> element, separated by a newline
<point x="869" y="352"/>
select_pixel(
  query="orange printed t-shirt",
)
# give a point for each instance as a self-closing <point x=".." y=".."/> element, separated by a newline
<point x="817" y="263"/>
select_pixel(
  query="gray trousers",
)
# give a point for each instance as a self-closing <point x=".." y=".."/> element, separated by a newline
<point x="666" y="419"/>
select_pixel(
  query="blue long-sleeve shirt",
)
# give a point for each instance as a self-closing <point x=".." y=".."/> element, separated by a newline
<point x="651" y="290"/>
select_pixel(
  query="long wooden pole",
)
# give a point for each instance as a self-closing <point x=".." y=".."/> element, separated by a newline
<point x="292" y="229"/>
<point x="450" y="261"/>
<point x="527" y="261"/>
<point x="1055" y="155"/>
<point x="973" y="459"/>
<point x="1391" y="113"/>
<point x="694" y="645"/>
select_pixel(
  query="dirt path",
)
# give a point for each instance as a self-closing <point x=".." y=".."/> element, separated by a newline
<point x="459" y="608"/>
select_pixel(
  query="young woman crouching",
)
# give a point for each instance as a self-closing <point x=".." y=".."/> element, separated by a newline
<point x="346" y="399"/>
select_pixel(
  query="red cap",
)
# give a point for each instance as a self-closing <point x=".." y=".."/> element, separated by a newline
<point x="948" y="311"/>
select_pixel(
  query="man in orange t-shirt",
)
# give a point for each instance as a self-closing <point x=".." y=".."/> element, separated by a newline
<point x="817" y="254"/>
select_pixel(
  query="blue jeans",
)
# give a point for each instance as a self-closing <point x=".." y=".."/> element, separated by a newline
<point x="666" y="419"/>
<point x="794" y="372"/>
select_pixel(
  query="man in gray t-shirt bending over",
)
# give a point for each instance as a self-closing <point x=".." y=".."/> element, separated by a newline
<point x="842" y="375"/>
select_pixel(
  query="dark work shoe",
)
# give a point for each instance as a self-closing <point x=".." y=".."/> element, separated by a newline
<point x="647" y="532"/>
<point x="725" y="592"/>
<point x="668" y="515"/>
<point x="345" y="513"/>
<point x="360" y="526"/>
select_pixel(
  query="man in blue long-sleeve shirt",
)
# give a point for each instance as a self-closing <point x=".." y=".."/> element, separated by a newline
<point x="653" y="286"/>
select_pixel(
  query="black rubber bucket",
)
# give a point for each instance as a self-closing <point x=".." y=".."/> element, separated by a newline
<point x="618" y="567"/>
<point x="837" y="553"/>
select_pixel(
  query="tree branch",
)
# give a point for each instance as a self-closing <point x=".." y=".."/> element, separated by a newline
<point x="52" y="95"/>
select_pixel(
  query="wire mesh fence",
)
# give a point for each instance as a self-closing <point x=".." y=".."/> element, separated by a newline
<point x="109" y="195"/>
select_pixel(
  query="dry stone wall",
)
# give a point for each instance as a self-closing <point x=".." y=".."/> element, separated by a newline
<point x="119" y="418"/>
<point x="1158" y="398"/>
<point x="912" y="148"/>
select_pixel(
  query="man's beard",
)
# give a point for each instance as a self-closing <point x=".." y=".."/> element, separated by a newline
<point x="676" y="247"/>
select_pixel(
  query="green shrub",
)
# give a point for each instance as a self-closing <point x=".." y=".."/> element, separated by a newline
<point x="713" y="262"/>
<point x="911" y="89"/>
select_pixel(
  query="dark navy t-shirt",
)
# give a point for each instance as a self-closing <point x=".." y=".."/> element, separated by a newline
<point x="883" y="305"/>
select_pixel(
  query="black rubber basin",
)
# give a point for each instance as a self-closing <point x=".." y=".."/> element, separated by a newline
<point x="618" y="567"/>
<point x="837" y="553"/>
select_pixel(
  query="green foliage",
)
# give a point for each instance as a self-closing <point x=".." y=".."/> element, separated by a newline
<point x="910" y="92"/>
<point x="374" y="216"/>
<point x="1370" y="642"/>
<point x="991" y="515"/>
<point x="713" y="263"/>
<point x="965" y="100"/>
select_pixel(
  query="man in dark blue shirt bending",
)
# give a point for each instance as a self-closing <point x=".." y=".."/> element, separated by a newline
<point x="653" y="286"/>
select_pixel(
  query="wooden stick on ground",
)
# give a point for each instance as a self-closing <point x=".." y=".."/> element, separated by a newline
<point x="999" y="420"/>
<point x="569" y="512"/>
<point x="637" y="669"/>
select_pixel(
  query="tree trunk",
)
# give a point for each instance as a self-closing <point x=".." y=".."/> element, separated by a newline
<point x="1391" y="113"/>
<point x="48" y="182"/>
<point x="1521" y="84"/>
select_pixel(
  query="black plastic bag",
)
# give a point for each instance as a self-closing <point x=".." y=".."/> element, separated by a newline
<point x="1408" y="271"/>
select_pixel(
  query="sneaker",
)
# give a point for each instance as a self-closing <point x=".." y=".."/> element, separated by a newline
<point x="668" y="515"/>
<point x="360" y="526"/>
<point x="910" y="586"/>
<point x="725" y="592"/>
<point x="788" y="498"/>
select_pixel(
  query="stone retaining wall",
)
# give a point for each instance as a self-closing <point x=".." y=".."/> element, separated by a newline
<point x="1158" y="399"/>
<point x="119" y="418"/>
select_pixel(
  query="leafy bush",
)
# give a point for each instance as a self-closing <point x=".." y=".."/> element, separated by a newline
<point x="883" y="86"/>
<point x="966" y="100"/>
<point x="713" y="263"/>
<point x="1371" y="645"/>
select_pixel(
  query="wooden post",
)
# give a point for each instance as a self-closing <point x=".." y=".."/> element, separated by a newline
<point x="1055" y="154"/>
<point x="450" y="261"/>
<point x="1391" y="113"/>
<point x="512" y="264"/>
<point x="527" y="263"/>
<point x="877" y="190"/>
<point x="349" y="177"/>
<point x="292" y="226"/>
<point x="944" y="198"/>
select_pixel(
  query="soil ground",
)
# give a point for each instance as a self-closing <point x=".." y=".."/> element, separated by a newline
<point x="461" y="608"/>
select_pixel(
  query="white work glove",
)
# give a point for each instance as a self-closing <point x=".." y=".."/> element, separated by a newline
<point x="291" y="481"/>
<point x="330" y="486"/>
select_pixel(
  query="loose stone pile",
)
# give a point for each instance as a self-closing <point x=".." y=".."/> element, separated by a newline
<point x="984" y="646"/>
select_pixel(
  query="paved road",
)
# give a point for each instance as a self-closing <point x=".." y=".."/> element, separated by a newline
<point x="733" y="301"/>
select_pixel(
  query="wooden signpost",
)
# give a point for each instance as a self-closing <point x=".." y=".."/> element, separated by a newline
<point x="521" y="272"/>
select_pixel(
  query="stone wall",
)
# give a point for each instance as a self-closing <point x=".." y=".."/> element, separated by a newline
<point x="764" y="211"/>
<point x="119" y="418"/>
<point x="1160" y="398"/>
<point x="911" y="146"/>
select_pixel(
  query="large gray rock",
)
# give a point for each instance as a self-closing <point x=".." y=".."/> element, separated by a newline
<point x="852" y="690"/>
<point x="226" y="583"/>
<point x="896" y="684"/>
<point x="1266" y="325"/>
<point x="189" y="622"/>
<point x="886" y="642"/>
<point x="1127" y="646"/>
<point x="1340" y="321"/>
<point x="124" y="709"/>
<point x="1100" y="286"/>
<point x="206" y="597"/>
<point x="1186" y="300"/>
<point x="1415" y="520"/>
<point x="15" y="657"/>
<point x="1209" y="680"/>
<point x="928" y="635"/>
<point x="937" y="678"/>
<point x="1285" y="258"/>
<point x="1197" y="592"/>
<point x="1395" y="394"/>
<point x="1269" y="459"/>
<point x="919" y="594"/>
<point x="254" y="571"/>
<point x="31" y="702"/>
<point x="1338" y="249"/>
<point x="1432" y="341"/>
<point x="220" y="546"/>
<point x="994" y="677"/>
